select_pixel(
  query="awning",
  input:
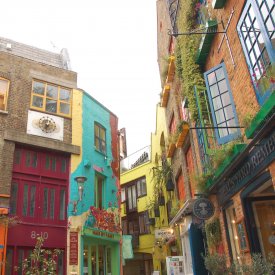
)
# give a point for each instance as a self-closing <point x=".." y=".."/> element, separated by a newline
<point x="185" y="210"/>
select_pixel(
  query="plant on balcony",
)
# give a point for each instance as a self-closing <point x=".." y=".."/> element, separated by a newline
<point x="203" y="180"/>
<point x="182" y="131"/>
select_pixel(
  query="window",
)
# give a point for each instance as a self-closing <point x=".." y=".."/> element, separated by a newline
<point x="62" y="206"/>
<point x="100" y="138"/>
<point x="4" y="89"/>
<point x="131" y="197"/>
<point x="99" y="181"/>
<point x="48" y="203"/>
<point x="144" y="227"/>
<point x="141" y="187"/>
<point x="124" y="226"/>
<point x="256" y="31"/>
<point x="221" y="104"/>
<point x="51" y="98"/>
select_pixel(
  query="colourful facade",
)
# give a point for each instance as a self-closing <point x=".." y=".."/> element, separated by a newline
<point x="94" y="220"/>
<point x="140" y="218"/>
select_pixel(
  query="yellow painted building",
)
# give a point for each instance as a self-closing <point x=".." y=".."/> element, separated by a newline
<point x="152" y="238"/>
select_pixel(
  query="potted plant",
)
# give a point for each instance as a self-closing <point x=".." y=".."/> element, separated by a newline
<point x="161" y="200"/>
<point x="156" y="212"/>
<point x="152" y="221"/>
<point x="169" y="185"/>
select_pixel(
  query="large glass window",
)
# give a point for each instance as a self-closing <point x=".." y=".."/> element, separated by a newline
<point x="14" y="198"/>
<point x="51" y="98"/>
<point x="100" y="138"/>
<point x="4" y="89"/>
<point x="29" y="200"/>
<point x="256" y="31"/>
<point x="221" y="104"/>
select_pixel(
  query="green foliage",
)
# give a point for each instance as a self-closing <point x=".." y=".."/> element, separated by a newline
<point x="41" y="261"/>
<point x="213" y="232"/>
<point x="216" y="264"/>
<point x="9" y="221"/>
<point x="201" y="180"/>
<point x="189" y="72"/>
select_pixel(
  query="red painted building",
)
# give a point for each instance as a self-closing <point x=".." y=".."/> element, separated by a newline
<point x="40" y="181"/>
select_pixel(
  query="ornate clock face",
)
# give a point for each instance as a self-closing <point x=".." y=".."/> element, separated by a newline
<point x="47" y="124"/>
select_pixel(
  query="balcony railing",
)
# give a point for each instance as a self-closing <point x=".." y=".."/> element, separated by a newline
<point x="141" y="156"/>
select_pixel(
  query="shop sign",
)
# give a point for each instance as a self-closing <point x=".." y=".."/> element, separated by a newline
<point x="164" y="233"/>
<point x="256" y="160"/>
<point x="203" y="208"/>
<point x="73" y="260"/>
<point x="104" y="234"/>
<point x="175" y="265"/>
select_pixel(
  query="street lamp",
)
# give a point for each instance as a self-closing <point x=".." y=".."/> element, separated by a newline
<point x="80" y="180"/>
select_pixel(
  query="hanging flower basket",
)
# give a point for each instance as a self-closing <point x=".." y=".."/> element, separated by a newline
<point x="161" y="200"/>
<point x="157" y="212"/>
<point x="170" y="185"/>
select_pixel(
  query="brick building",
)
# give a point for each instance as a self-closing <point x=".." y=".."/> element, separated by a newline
<point x="35" y="148"/>
<point x="223" y="53"/>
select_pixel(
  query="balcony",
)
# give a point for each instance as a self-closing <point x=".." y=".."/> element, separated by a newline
<point x="165" y="95"/>
<point x="206" y="41"/>
<point x="136" y="159"/>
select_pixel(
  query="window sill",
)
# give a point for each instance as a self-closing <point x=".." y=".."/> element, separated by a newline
<point x="4" y="112"/>
<point x="101" y="153"/>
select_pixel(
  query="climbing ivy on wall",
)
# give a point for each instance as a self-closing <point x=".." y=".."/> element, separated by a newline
<point x="187" y="70"/>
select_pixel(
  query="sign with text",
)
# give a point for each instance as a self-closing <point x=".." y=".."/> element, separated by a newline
<point x="203" y="208"/>
<point x="164" y="233"/>
<point x="73" y="260"/>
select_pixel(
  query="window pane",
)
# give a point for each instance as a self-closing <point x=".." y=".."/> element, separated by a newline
<point x="13" y="199"/>
<point x="17" y="156"/>
<point x="53" y="163"/>
<point x="219" y="74"/>
<point x="45" y="203"/>
<point x="34" y="159"/>
<point x="214" y="90"/>
<point x="223" y="86"/>
<point x="51" y="105"/>
<point x="25" y="200"/>
<point x="62" y="205"/>
<point x="3" y="86"/>
<point x="138" y="188"/>
<point x="122" y="194"/>
<point x="211" y="78"/>
<point x="37" y="101"/>
<point x="219" y="116"/>
<point x="102" y="134"/>
<point x="32" y="201"/>
<point x="52" y="91"/>
<point x="223" y="131"/>
<point x="65" y="108"/>
<point x="134" y="197"/>
<point x="225" y="99"/>
<point x="217" y="103"/>
<point x="228" y="112"/>
<point x="48" y="163"/>
<point x="38" y="88"/>
<point x="52" y="200"/>
<point x="129" y="191"/>
<point x="64" y="94"/>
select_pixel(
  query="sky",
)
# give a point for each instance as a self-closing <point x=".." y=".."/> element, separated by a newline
<point x="112" y="47"/>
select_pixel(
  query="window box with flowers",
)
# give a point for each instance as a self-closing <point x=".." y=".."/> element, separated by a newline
<point x="171" y="69"/>
<point x="171" y="149"/>
<point x="182" y="131"/>
<point x="165" y="95"/>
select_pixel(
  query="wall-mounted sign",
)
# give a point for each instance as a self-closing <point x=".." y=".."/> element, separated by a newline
<point x="45" y="125"/>
<point x="73" y="257"/>
<point x="164" y="233"/>
<point x="174" y="265"/>
<point x="203" y="208"/>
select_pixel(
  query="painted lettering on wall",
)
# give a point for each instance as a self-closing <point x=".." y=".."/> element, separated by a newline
<point x="35" y="235"/>
<point x="103" y="234"/>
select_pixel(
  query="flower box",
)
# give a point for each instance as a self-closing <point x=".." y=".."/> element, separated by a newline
<point x="266" y="110"/>
<point x="171" y="150"/>
<point x="238" y="148"/>
<point x="165" y="95"/>
<point x="206" y="41"/>
<point x="171" y="69"/>
<point x="218" y="4"/>
<point x="182" y="135"/>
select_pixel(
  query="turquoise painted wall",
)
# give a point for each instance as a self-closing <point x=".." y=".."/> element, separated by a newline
<point x="91" y="161"/>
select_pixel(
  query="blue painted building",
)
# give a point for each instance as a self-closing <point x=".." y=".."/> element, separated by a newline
<point x="94" y="239"/>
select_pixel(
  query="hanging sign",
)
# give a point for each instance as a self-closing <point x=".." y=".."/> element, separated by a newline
<point x="203" y="208"/>
<point x="73" y="259"/>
